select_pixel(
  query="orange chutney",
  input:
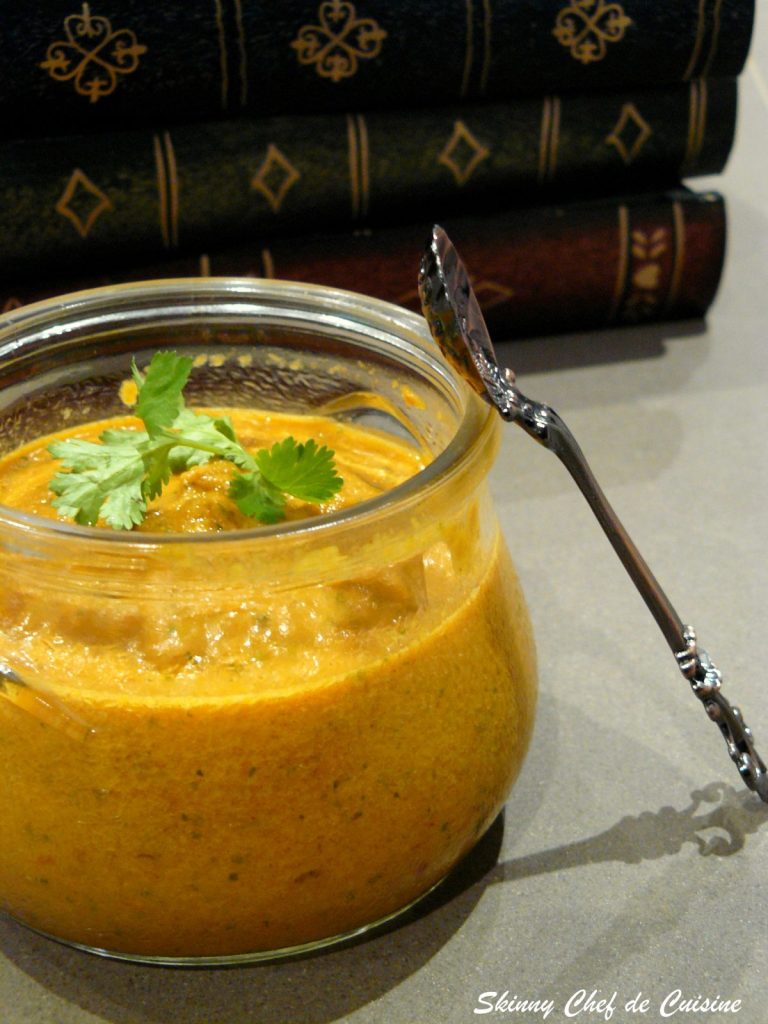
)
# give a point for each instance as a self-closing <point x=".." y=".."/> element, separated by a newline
<point x="217" y="767"/>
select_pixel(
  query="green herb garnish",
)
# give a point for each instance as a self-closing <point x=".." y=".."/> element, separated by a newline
<point x="114" y="480"/>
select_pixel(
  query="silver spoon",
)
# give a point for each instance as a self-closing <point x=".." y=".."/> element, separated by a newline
<point x="457" y="325"/>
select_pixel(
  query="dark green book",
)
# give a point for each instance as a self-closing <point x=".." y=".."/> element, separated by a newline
<point x="103" y="63"/>
<point x="116" y="197"/>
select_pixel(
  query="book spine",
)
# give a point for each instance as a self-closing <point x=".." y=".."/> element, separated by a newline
<point x="133" y="195"/>
<point x="538" y="270"/>
<point x="98" y="64"/>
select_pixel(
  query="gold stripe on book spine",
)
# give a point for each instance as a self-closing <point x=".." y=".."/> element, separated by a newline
<point x="162" y="190"/>
<point x="173" y="188"/>
<point x="469" y="51"/>
<point x="354" y="170"/>
<point x="364" y="159"/>
<point x="708" y="23"/>
<point x="549" y="138"/>
<point x="554" y="141"/>
<point x="698" y="41"/>
<point x="487" y="26"/>
<point x="242" y="52"/>
<point x="268" y="263"/>
<point x="622" y="263"/>
<point x="546" y="118"/>
<point x="223" y="63"/>
<point x="715" y="38"/>
<point x="483" y="30"/>
<point x="697" y="124"/>
<point x="167" y="189"/>
<point x="678" y="258"/>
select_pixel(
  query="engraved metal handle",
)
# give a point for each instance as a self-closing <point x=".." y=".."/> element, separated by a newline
<point x="548" y="428"/>
<point x="456" y="322"/>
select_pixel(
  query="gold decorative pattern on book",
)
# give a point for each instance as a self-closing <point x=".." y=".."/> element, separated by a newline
<point x="630" y="133"/>
<point x="647" y="249"/>
<point x="82" y="202"/>
<point x="93" y="57"/>
<point x="340" y="40"/>
<point x="462" y="153"/>
<point x="585" y="27"/>
<point x="275" y="177"/>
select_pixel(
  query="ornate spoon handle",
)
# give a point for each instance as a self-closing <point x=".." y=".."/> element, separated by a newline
<point x="547" y="427"/>
<point x="457" y="324"/>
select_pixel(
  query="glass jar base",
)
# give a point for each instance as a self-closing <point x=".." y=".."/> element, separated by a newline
<point x="260" y="956"/>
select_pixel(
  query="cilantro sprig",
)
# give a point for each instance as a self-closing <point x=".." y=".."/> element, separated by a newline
<point x="113" y="480"/>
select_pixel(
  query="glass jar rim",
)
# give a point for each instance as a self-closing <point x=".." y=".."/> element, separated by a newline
<point x="476" y="429"/>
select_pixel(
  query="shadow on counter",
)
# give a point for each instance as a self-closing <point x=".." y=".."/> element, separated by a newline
<point x="599" y="347"/>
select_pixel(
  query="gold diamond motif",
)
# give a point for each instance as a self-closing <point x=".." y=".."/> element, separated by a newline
<point x="630" y="133"/>
<point x="491" y="293"/>
<point x="275" y="177"/>
<point x="82" y="202"/>
<point x="462" y="153"/>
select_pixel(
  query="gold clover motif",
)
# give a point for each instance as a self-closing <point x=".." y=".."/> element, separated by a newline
<point x="93" y="56"/>
<point x="82" y="202"/>
<point x="339" y="41"/>
<point x="585" y="27"/>
<point x="630" y="133"/>
<point x="275" y="177"/>
<point x="462" y="153"/>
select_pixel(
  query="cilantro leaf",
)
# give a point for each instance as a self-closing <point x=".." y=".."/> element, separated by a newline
<point x="302" y="470"/>
<point x="105" y="481"/>
<point x="213" y="436"/>
<point x="255" y="497"/>
<point x="160" y="390"/>
<point x="112" y="481"/>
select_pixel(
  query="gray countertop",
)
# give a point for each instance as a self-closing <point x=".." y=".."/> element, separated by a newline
<point x="631" y="858"/>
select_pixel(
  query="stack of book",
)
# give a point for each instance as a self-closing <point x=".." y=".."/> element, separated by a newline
<point x="320" y="140"/>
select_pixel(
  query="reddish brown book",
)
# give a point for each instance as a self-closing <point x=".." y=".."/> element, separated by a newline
<point x="536" y="270"/>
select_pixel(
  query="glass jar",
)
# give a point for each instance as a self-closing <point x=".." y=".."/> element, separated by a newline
<point x="224" y="747"/>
